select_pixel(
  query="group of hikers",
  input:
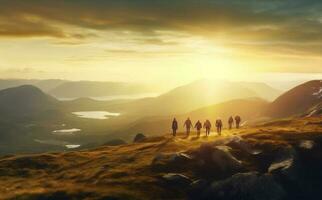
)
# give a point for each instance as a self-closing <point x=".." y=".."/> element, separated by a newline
<point x="206" y="125"/>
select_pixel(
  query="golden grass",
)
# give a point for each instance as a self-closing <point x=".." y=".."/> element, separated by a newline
<point x="124" y="171"/>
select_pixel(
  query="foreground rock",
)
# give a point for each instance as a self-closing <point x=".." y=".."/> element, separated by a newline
<point x="285" y="165"/>
<point x="238" y="143"/>
<point x="139" y="138"/>
<point x="245" y="186"/>
<point x="215" y="162"/>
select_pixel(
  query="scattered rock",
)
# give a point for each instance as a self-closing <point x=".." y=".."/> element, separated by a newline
<point x="245" y="186"/>
<point x="176" y="179"/>
<point x="139" y="137"/>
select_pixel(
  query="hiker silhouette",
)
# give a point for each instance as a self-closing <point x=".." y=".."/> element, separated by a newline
<point x="188" y="125"/>
<point x="198" y="126"/>
<point x="237" y="120"/>
<point x="174" y="127"/>
<point x="207" y="126"/>
<point x="230" y="122"/>
<point x="219" y="126"/>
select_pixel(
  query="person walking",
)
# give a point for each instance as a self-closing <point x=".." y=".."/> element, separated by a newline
<point x="219" y="126"/>
<point x="230" y="122"/>
<point x="174" y="127"/>
<point x="207" y="126"/>
<point x="237" y="120"/>
<point x="188" y="125"/>
<point x="198" y="126"/>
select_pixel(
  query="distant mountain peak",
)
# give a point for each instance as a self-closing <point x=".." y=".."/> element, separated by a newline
<point x="24" y="100"/>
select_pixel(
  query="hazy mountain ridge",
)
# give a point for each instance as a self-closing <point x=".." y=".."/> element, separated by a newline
<point x="98" y="89"/>
<point x="189" y="97"/>
<point x="263" y="90"/>
<point x="77" y="89"/>
<point x="44" y="85"/>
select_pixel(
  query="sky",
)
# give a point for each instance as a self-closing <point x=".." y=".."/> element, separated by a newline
<point x="158" y="40"/>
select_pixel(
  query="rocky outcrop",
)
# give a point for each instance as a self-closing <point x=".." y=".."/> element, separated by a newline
<point x="215" y="162"/>
<point x="238" y="143"/>
<point x="285" y="164"/>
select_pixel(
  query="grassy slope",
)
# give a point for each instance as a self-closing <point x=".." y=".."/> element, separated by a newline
<point x="124" y="171"/>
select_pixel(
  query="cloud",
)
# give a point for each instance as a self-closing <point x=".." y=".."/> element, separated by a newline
<point x="248" y="21"/>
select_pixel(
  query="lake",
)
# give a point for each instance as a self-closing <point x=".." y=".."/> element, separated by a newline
<point x="72" y="146"/>
<point x="96" y="114"/>
<point x="70" y="131"/>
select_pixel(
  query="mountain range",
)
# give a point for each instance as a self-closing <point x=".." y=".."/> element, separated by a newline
<point x="32" y="114"/>
<point x="195" y="95"/>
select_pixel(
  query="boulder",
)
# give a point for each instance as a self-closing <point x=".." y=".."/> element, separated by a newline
<point x="173" y="179"/>
<point x="245" y="186"/>
<point x="215" y="161"/>
<point x="285" y="164"/>
<point x="139" y="137"/>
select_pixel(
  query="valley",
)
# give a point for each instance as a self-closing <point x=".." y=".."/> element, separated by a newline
<point x="35" y="122"/>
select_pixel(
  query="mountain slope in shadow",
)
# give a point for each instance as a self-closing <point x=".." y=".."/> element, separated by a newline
<point x="25" y="100"/>
<point x="297" y="100"/>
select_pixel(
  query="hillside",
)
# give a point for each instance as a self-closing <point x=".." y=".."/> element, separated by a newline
<point x="277" y="160"/>
<point x="249" y="109"/>
<point x="297" y="100"/>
